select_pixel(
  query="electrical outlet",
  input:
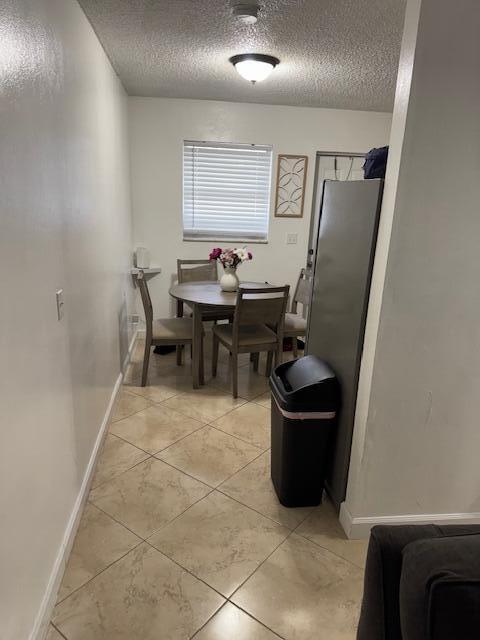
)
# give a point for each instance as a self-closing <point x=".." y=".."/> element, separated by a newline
<point x="292" y="238"/>
<point x="60" y="303"/>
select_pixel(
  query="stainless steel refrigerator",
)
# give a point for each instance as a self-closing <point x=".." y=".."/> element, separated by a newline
<point x="342" y="268"/>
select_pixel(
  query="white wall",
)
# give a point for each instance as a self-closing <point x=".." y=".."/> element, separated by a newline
<point x="416" y="445"/>
<point x="157" y="129"/>
<point x="64" y="222"/>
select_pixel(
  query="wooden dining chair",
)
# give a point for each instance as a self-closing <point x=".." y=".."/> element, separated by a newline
<point x="296" y="323"/>
<point x="200" y="271"/>
<point x="164" y="331"/>
<point x="257" y="326"/>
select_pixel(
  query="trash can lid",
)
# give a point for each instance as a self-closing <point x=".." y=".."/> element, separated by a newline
<point x="306" y="384"/>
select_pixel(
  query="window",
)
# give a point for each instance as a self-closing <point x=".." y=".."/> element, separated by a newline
<point x="226" y="191"/>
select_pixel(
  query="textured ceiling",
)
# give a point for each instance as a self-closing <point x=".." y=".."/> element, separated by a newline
<point x="334" y="53"/>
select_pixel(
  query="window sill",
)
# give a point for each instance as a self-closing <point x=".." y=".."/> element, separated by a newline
<point x="228" y="240"/>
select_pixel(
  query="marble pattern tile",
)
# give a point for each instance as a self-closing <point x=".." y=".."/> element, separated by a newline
<point x="128" y="403"/>
<point x="52" y="634"/>
<point x="303" y="592"/>
<point x="148" y="496"/>
<point x="231" y="623"/>
<point x="116" y="457"/>
<point x="251" y="384"/>
<point x="162" y="385"/>
<point x="155" y="428"/>
<point x="250" y="422"/>
<point x="219" y="541"/>
<point x="209" y="455"/>
<point x="143" y="596"/>
<point x="205" y="404"/>
<point x="253" y="487"/>
<point x="99" y="542"/>
<point x="265" y="400"/>
<point x="323" y="528"/>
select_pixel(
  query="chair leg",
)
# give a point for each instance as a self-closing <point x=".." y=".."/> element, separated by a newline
<point x="146" y="358"/>
<point x="215" y="355"/>
<point x="295" y="347"/>
<point x="234" y="375"/>
<point x="202" y="362"/>
<point x="255" y="359"/>
<point x="268" y="366"/>
<point x="179" y="354"/>
<point x="278" y="355"/>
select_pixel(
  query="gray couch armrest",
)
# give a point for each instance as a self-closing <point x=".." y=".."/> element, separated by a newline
<point x="380" y="614"/>
<point x="440" y="589"/>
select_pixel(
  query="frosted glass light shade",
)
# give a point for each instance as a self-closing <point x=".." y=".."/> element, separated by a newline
<point x="254" y="67"/>
<point x="254" y="70"/>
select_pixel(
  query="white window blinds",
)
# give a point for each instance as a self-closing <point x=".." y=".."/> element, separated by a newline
<point x="226" y="191"/>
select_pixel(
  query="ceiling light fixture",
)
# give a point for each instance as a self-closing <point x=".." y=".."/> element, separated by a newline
<point x="254" y="67"/>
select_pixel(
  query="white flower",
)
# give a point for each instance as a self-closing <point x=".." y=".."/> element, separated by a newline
<point x="242" y="254"/>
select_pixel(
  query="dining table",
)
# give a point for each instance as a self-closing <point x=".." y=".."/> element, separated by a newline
<point x="201" y="296"/>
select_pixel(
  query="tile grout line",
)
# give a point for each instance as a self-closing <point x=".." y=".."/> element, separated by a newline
<point x="115" y="520"/>
<point x="169" y="464"/>
<point x="215" y="426"/>
<point x="212" y="490"/>
<point x="219" y="490"/>
<point x="100" y="572"/>
<point x="191" y="574"/>
<point x="209" y="418"/>
<point x="354" y="564"/>
<point x="149" y="455"/>
<point x="169" y="445"/>
<point x="256" y="619"/>
<point x="260" y="453"/>
<point x="254" y="572"/>
<point x="253" y="508"/>
<point x="206" y="424"/>
<point x="240" y="608"/>
<point x="146" y="540"/>
<point x="218" y="487"/>
<point x="58" y="631"/>
<point x="164" y="525"/>
<point x="177" y="516"/>
<point x="208" y="620"/>
<point x="142" y="540"/>
<point x="319" y="545"/>
<point x="114" y="420"/>
<point x="130" y="388"/>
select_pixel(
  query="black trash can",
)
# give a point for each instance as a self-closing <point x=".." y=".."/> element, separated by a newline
<point x="305" y="403"/>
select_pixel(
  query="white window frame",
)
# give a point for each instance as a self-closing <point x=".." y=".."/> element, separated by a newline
<point x="253" y="237"/>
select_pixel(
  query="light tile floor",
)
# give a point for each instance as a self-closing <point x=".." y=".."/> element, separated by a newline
<point x="183" y="537"/>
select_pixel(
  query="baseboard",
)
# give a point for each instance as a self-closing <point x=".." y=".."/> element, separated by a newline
<point x="40" y="627"/>
<point x="130" y="350"/>
<point x="359" y="527"/>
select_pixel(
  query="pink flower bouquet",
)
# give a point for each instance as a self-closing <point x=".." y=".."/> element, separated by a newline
<point x="230" y="257"/>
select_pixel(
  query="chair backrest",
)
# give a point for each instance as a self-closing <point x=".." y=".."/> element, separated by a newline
<point x="302" y="291"/>
<point x="146" y="301"/>
<point x="261" y="306"/>
<point x="196" y="270"/>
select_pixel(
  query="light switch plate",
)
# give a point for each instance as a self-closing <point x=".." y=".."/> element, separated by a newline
<point x="60" y="303"/>
<point x="292" y="238"/>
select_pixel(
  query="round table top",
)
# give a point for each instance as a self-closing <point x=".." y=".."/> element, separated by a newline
<point x="209" y="293"/>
